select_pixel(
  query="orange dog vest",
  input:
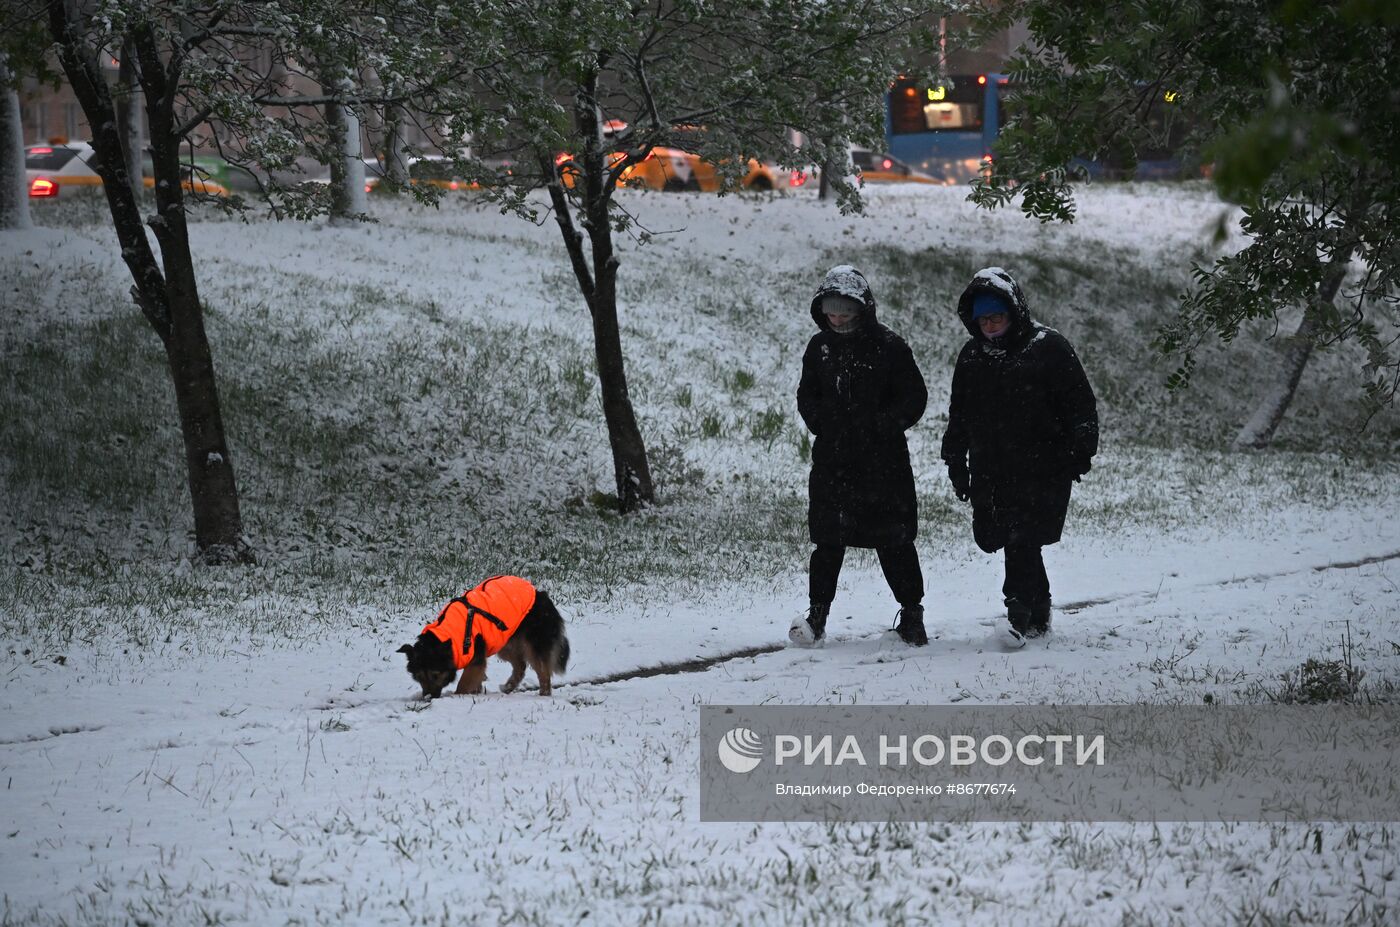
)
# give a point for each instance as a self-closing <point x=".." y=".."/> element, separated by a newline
<point x="491" y="611"/>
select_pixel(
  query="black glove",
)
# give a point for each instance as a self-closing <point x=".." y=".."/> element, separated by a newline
<point x="961" y="480"/>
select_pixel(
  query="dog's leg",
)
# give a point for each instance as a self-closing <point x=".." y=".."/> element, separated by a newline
<point x="474" y="676"/>
<point x="542" y="672"/>
<point x="517" y="672"/>
<point x="473" y="680"/>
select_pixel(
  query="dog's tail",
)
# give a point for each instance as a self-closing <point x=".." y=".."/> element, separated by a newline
<point x="561" y="655"/>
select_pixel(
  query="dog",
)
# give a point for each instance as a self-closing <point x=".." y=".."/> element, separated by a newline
<point x="505" y="616"/>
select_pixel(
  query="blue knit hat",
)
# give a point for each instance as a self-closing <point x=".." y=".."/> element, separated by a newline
<point x="988" y="304"/>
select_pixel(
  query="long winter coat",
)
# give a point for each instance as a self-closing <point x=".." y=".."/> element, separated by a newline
<point x="860" y="391"/>
<point x="1022" y="417"/>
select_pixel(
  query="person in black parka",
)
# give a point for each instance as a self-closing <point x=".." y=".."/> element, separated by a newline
<point x="860" y="391"/>
<point x="1022" y="427"/>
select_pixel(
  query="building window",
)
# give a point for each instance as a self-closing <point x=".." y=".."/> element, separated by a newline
<point x="36" y="123"/>
<point x="70" y="120"/>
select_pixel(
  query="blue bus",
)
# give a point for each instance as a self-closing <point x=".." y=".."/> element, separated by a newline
<point x="948" y="131"/>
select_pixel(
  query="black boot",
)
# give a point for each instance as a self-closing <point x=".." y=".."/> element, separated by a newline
<point x="1040" y="619"/>
<point x="808" y="631"/>
<point x="910" y="626"/>
<point x="1020" y="616"/>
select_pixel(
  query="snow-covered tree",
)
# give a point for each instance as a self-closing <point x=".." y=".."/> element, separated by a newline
<point x="575" y="95"/>
<point x="1293" y="104"/>
<point x="218" y="76"/>
<point x="128" y="101"/>
<point x="14" y="193"/>
<point x="166" y="290"/>
<point x="22" y="42"/>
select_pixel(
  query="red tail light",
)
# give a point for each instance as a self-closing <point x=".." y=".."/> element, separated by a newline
<point x="42" y="186"/>
<point x="797" y="178"/>
<point x="41" y="151"/>
<point x="452" y="185"/>
<point x="887" y="164"/>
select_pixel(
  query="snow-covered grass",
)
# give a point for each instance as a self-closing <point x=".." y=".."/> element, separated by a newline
<point x="411" y="406"/>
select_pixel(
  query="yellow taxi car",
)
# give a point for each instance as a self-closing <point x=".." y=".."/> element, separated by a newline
<point x="676" y="169"/>
<point x="49" y="170"/>
<point x="673" y="169"/>
<point x="429" y="170"/>
<point x="874" y="167"/>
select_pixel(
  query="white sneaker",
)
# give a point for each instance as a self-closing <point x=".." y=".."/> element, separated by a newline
<point x="801" y="633"/>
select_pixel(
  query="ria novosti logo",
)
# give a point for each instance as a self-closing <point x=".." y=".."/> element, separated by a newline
<point x="741" y="750"/>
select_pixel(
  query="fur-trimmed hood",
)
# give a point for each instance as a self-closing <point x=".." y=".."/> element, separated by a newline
<point x="845" y="280"/>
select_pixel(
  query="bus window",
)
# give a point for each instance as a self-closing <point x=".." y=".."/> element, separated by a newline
<point x="1166" y="135"/>
<point x="956" y="106"/>
<point x="952" y="116"/>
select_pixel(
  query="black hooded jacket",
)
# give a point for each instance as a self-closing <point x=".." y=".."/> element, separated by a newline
<point x="860" y="391"/>
<point x="1022" y="418"/>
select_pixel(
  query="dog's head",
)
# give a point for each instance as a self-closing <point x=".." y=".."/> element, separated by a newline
<point x="430" y="664"/>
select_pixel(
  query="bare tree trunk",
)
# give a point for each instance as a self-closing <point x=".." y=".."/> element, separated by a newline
<point x="832" y="168"/>
<point x="631" y="471"/>
<point x="348" y="200"/>
<point x="630" y="467"/>
<point x="129" y="116"/>
<point x="395" y="139"/>
<point x="14" y="191"/>
<point x="166" y="292"/>
<point x="1259" y="431"/>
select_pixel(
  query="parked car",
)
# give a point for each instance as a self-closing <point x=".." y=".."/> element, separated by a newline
<point x="876" y="167"/>
<point x="204" y="174"/>
<point x="432" y="170"/>
<point x="49" y="170"/>
<point x="677" y="169"/>
<point x="674" y="169"/>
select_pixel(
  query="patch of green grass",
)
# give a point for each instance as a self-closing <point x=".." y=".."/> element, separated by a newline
<point x="711" y="425"/>
<point x="767" y="425"/>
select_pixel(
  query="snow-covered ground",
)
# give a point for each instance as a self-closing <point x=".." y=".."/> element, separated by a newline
<point x="182" y="745"/>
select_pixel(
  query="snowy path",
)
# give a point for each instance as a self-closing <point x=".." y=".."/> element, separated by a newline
<point x="162" y="789"/>
<point x="704" y="664"/>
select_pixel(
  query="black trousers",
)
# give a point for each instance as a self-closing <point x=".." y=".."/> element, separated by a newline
<point x="900" y="565"/>
<point x="1025" y="575"/>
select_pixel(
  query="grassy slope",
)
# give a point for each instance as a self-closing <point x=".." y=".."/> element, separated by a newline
<point x="397" y="431"/>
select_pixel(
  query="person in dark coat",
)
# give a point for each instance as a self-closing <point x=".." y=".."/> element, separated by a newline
<point x="860" y="391"/>
<point x="1022" y="428"/>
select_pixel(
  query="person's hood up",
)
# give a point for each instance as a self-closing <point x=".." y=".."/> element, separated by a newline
<point x="844" y="280"/>
<point x="996" y="282"/>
